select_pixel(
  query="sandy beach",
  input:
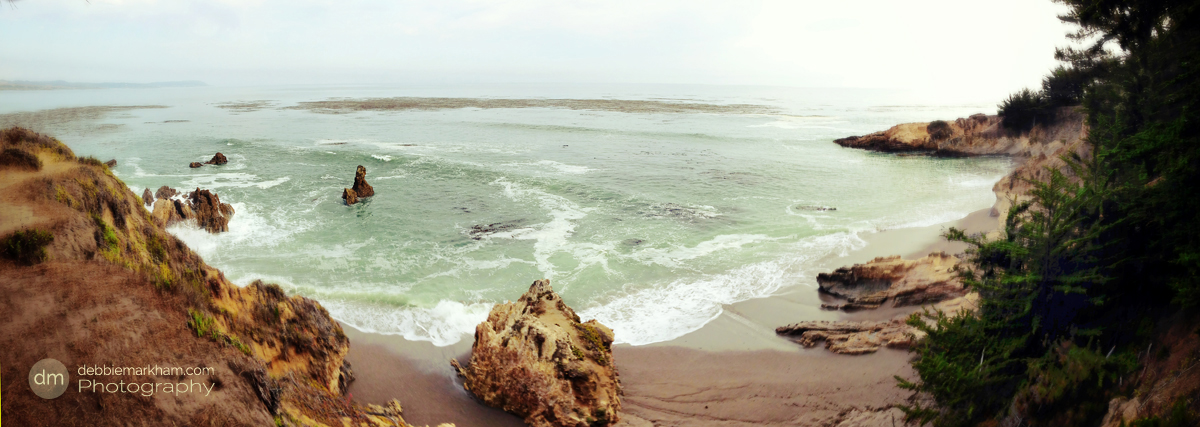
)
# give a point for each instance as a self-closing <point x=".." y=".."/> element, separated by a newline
<point x="735" y="371"/>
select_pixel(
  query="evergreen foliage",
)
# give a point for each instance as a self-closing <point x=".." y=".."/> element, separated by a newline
<point x="1100" y="249"/>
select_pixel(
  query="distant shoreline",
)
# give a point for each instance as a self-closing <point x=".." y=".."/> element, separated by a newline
<point x="64" y="85"/>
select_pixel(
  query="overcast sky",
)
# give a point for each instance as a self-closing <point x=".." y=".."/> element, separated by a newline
<point x="988" y="47"/>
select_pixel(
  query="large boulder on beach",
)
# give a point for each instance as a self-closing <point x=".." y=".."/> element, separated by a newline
<point x="902" y="282"/>
<point x="217" y="159"/>
<point x="536" y="359"/>
<point x="360" y="187"/>
<point x="850" y="337"/>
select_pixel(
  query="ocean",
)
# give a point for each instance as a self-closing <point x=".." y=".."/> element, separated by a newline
<point x="649" y="207"/>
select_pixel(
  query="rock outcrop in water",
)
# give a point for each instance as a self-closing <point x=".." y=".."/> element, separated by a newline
<point x="359" y="189"/>
<point x="194" y="165"/>
<point x="147" y="197"/>
<point x="211" y="214"/>
<point x="217" y="159"/>
<point x="868" y="286"/>
<point x="202" y="206"/>
<point x="349" y="196"/>
<point x="534" y="358"/>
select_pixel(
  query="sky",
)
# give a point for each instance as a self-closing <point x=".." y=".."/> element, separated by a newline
<point x="960" y="47"/>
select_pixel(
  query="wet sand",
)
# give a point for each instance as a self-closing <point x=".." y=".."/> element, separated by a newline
<point x="732" y="372"/>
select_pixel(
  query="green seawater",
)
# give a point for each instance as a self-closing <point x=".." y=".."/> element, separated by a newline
<point x="649" y="222"/>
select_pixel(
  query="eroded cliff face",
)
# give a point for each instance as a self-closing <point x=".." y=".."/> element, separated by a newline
<point x="534" y="358"/>
<point x="286" y="351"/>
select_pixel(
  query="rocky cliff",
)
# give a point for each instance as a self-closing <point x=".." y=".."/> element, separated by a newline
<point x="982" y="135"/>
<point x="534" y="358"/>
<point x="115" y="288"/>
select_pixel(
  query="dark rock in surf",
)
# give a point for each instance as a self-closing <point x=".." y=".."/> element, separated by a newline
<point x="194" y="165"/>
<point x="218" y="159"/>
<point x="148" y="197"/>
<point x="166" y="192"/>
<point x="111" y="163"/>
<point x="477" y="232"/>
<point x="360" y="187"/>
<point x="349" y="196"/>
<point x="211" y="214"/>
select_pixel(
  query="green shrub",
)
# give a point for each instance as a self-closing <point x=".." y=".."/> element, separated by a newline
<point x="1064" y="87"/>
<point x="89" y="160"/>
<point x="939" y="130"/>
<point x="1024" y="109"/>
<point x="106" y="237"/>
<point x="20" y="159"/>
<point x="203" y="324"/>
<point x="27" y="246"/>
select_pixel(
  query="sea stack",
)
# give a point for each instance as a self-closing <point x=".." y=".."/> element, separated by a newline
<point x="147" y="197"/>
<point x="535" y="359"/>
<point x="217" y="159"/>
<point x="211" y="214"/>
<point x="360" y="187"/>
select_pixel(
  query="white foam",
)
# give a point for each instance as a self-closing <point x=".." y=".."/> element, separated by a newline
<point x="444" y="324"/>
<point x="248" y="227"/>
<point x="565" y="168"/>
<point x="231" y="179"/>
<point x="665" y="311"/>
<point x="672" y="257"/>
<point x="553" y="236"/>
<point x="385" y="157"/>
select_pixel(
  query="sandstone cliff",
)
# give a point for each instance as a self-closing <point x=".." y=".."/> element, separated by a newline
<point x="982" y="135"/>
<point x="932" y="280"/>
<point x="890" y="279"/>
<point x="109" y="285"/>
<point x="534" y="358"/>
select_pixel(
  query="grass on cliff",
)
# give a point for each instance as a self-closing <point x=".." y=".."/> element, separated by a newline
<point x="27" y="246"/>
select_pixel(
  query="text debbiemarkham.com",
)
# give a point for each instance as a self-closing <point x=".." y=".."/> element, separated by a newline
<point x="145" y="388"/>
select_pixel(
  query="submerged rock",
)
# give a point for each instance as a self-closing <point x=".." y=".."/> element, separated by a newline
<point x="478" y="232"/>
<point x="217" y="159"/>
<point x="534" y="358"/>
<point x="866" y="286"/>
<point x="360" y="187"/>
